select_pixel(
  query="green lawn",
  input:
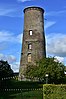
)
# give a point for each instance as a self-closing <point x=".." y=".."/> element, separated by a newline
<point x="23" y="94"/>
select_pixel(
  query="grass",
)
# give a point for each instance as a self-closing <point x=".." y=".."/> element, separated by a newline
<point x="24" y="94"/>
<point x="35" y="94"/>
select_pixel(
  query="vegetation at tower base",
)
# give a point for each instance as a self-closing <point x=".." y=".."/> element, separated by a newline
<point x="5" y="69"/>
<point x="50" y="66"/>
<point x="51" y="91"/>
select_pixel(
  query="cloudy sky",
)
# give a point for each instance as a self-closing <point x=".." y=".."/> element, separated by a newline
<point x="11" y="28"/>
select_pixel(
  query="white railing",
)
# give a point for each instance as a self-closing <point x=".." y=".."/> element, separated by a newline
<point x="22" y="89"/>
<point x="6" y="78"/>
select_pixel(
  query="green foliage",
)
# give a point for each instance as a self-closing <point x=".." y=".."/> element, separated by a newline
<point x="51" y="91"/>
<point x="5" y="69"/>
<point x="49" y="66"/>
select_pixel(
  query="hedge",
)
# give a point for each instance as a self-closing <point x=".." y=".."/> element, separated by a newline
<point x="13" y="84"/>
<point x="51" y="91"/>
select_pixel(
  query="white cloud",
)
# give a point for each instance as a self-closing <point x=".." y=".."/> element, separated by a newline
<point x="15" y="67"/>
<point x="9" y="38"/>
<point x="24" y="0"/>
<point x="60" y="59"/>
<point x="6" y="36"/>
<point x="10" y="12"/>
<point x="5" y="11"/>
<point x="9" y="58"/>
<point x="49" y="24"/>
<point x="56" y="44"/>
<point x="2" y="56"/>
<point x="19" y="38"/>
<point x="56" y="13"/>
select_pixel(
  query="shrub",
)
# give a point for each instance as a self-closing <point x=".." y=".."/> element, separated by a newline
<point x="51" y="91"/>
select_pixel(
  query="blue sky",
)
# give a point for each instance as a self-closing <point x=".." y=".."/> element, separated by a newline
<point x="11" y="28"/>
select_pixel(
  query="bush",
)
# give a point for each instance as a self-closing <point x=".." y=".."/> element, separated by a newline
<point x="51" y="91"/>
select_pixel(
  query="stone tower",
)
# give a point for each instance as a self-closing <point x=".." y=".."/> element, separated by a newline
<point x="33" y="45"/>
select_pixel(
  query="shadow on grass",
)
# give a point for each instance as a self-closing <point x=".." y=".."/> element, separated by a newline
<point x="23" y="95"/>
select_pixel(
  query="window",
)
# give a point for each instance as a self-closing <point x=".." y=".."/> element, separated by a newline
<point x="29" y="57"/>
<point x="30" y="46"/>
<point x="30" y="32"/>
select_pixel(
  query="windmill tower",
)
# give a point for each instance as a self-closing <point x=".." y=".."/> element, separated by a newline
<point x="33" y="45"/>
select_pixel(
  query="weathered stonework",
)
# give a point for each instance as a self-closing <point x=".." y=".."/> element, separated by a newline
<point x="33" y="21"/>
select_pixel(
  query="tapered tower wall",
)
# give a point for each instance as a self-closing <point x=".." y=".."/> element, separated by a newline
<point x="33" y="45"/>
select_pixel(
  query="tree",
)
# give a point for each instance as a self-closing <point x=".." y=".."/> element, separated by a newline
<point x="50" y="66"/>
<point x="5" y="69"/>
